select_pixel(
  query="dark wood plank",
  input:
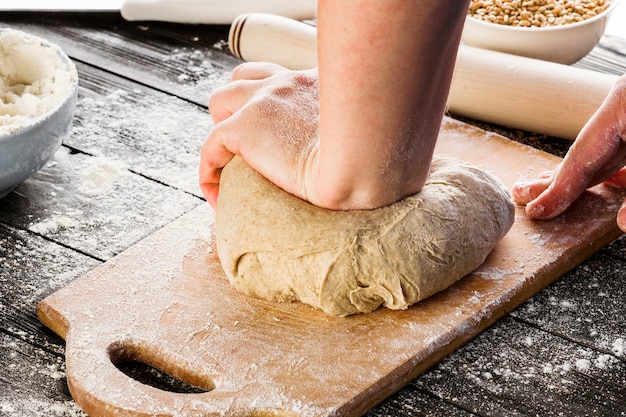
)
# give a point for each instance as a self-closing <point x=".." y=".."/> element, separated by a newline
<point x="184" y="60"/>
<point x="92" y="204"/>
<point x="513" y="369"/>
<point x="32" y="382"/>
<point x="32" y="378"/>
<point x="135" y="169"/>
<point x="157" y="135"/>
<point x="588" y="305"/>
<point x="609" y="56"/>
<point x="31" y="268"/>
<point x="413" y="402"/>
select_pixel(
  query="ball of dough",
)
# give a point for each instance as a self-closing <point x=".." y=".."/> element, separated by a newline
<point x="278" y="247"/>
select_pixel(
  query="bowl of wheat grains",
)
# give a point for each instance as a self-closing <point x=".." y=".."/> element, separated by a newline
<point x="561" y="31"/>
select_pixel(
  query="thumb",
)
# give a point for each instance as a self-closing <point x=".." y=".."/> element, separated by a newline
<point x="618" y="179"/>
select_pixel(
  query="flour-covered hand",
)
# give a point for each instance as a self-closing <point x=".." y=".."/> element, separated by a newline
<point x="597" y="155"/>
<point x="269" y="116"/>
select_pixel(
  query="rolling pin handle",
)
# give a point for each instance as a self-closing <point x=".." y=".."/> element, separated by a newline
<point x="271" y="38"/>
<point x="234" y="35"/>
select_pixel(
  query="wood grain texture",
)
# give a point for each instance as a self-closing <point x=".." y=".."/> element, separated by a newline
<point x="182" y="60"/>
<point x="32" y="370"/>
<point x="506" y="368"/>
<point x="586" y="310"/>
<point x="67" y="201"/>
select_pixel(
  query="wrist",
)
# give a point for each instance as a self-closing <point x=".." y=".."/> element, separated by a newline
<point x="346" y="188"/>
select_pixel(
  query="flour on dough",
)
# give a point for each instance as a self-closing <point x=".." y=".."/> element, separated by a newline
<point x="275" y="246"/>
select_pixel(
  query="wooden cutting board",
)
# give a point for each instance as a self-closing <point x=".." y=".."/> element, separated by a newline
<point x="167" y="303"/>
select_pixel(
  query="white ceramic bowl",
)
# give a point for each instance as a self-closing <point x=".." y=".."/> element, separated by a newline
<point x="38" y="91"/>
<point x="564" y="44"/>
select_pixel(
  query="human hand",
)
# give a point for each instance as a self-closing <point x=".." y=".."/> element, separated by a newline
<point x="597" y="155"/>
<point x="269" y="116"/>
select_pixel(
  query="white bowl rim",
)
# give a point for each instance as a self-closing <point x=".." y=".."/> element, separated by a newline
<point x="554" y="28"/>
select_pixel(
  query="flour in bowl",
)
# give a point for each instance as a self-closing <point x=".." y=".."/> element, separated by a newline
<point x="34" y="79"/>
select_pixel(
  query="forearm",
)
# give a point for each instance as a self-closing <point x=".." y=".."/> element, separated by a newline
<point x="384" y="69"/>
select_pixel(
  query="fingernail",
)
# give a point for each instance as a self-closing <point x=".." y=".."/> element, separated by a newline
<point x="521" y="191"/>
<point x="535" y="211"/>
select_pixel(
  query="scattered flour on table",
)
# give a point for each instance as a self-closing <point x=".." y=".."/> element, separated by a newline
<point x="157" y="137"/>
<point x="531" y="360"/>
<point x="484" y="372"/>
<point x="38" y="408"/>
<point x="101" y="175"/>
<point x="221" y="45"/>
<point x="618" y="347"/>
<point x="583" y="364"/>
<point x="53" y="225"/>
<point x="54" y="371"/>
<point x="199" y="70"/>
<point x="34" y="79"/>
<point x="97" y="177"/>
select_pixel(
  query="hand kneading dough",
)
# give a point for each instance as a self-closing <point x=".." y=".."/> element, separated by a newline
<point x="275" y="246"/>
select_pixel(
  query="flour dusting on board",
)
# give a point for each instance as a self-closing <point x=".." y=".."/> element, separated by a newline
<point x="496" y="273"/>
<point x="53" y="225"/>
<point x="34" y="79"/>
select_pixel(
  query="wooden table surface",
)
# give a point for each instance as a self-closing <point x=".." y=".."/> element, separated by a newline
<point x="129" y="166"/>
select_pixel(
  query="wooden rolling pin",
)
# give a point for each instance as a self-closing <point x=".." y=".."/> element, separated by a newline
<point x="509" y="90"/>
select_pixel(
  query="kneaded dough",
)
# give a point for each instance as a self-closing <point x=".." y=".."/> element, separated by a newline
<point x="278" y="247"/>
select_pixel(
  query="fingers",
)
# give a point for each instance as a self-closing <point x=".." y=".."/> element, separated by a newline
<point x="524" y="192"/>
<point x="551" y="194"/>
<point x="270" y="122"/>
<point x="228" y="99"/>
<point x="213" y="157"/>
<point x="568" y="183"/>
<point x="549" y="204"/>
<point x="255" y="71"/>
<point x="548" y="197"/>
<point x="596" y="155"/>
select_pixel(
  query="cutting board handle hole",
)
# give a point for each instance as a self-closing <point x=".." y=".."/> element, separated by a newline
<point x="156" y="378"/>
<point x="134" y="361"/>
